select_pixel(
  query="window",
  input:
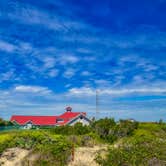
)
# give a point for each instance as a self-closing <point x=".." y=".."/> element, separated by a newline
<point x="60" y="120"/>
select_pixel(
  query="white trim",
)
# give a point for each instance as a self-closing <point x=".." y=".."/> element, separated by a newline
<point x="77" y="117"/>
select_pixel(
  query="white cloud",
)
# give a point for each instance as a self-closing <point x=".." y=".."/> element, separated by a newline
<point x="86" y="73"/>
<point x="7" y="76"/>
<point x="102" y="83"/>
<point x="31" y="15"/>
<point x="24" y="46"/>
<point x="53" y="73"/>
<point x="84" y="91"/>
<point x="49" y="62"/>
<point x="69" y="73"/>
<point x="65" y="59"/>
<point x="18" y="102"/>
<point x="8" y="47"/>
<point x="32" y="89"/>
<point x="19" y="47"/>
<point x="129" y="91"/>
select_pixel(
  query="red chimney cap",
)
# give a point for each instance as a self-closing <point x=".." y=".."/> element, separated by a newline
<point x="68" y="109"/>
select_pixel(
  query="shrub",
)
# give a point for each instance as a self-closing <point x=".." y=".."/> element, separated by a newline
<point x="147" y="146"/>
<point x="125" y="128"/>
<point x="77" y="129"/>
<point x="5" y="141"/>
<point x="103" y="128"/>
<point x="64" y="130"/>
<point x="5" y="123"/>
<point x="57" y="152"/>
<point x="51" y="149"/>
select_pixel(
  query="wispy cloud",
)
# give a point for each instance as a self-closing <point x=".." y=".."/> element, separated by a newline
<point x="38" y="102"/>
<point x="28" y="14"/>
<point x="53" y="73"/>
<point x="49" y="62"/>
<point x="68" y="59"/>
<point x="32" y="89"/>
<point x="8" y="47"/>
<point x="7" y="75"/>
<point x="84" y="91"/>
<point x="69" y="73"/>
<point x="48" y="48"/>
<point x="86" y="73"/>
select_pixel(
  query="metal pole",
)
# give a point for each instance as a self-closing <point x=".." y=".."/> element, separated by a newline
<point x="97" y="104"/>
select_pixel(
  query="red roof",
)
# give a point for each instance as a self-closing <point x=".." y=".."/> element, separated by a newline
<point x="36" y="120"/>
<point x="46" y="120"/>
<point x="61" y="123"/>
<point x="70" y="115"/>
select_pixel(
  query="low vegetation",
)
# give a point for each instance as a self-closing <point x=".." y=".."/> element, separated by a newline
<point x="130" y="143"/>
<point x="145" y="147"/>
<point x="4" y="123"/>
<point x="51" y="149"/>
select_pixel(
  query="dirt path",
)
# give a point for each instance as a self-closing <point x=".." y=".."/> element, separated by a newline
<point x="13" y="157"/>
<point x="84" y="156"/>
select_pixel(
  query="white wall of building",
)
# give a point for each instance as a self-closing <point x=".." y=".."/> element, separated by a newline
<point x="80" y="120"/>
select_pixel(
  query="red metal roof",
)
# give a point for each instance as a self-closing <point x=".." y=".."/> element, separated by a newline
<point x="71" y="115"/>
<point x="36" y="120"/>
<point x="46" y="120"/>
<point x="61" y="123"/>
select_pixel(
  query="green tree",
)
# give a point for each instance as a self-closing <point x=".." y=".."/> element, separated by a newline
<point x="2" y="122"/>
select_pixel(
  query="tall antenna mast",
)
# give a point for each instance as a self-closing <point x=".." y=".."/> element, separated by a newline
<point x="97" y="104"/>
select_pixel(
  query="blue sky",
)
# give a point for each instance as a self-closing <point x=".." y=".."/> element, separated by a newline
<point x="56" y="53"/>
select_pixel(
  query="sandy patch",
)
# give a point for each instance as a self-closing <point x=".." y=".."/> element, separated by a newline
<point x="13" y="157"/>
<point x="84" y="156"/>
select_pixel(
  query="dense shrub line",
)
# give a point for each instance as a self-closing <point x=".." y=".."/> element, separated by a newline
<point x="106" y="129"/>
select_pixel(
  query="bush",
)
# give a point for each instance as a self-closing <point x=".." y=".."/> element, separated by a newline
<point x="110" y="131"/>
<point x="64" y="130"/>
<point x="103" y="128"/>
<point x="77" y="129"/>
<point x="125" y="128"/>
<point x="147" y="146"/>
<point x="51" y="149"/>
<point x="58" y="152"/>
<point x="5" y="141"/>
<point x="5" y="123"/>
